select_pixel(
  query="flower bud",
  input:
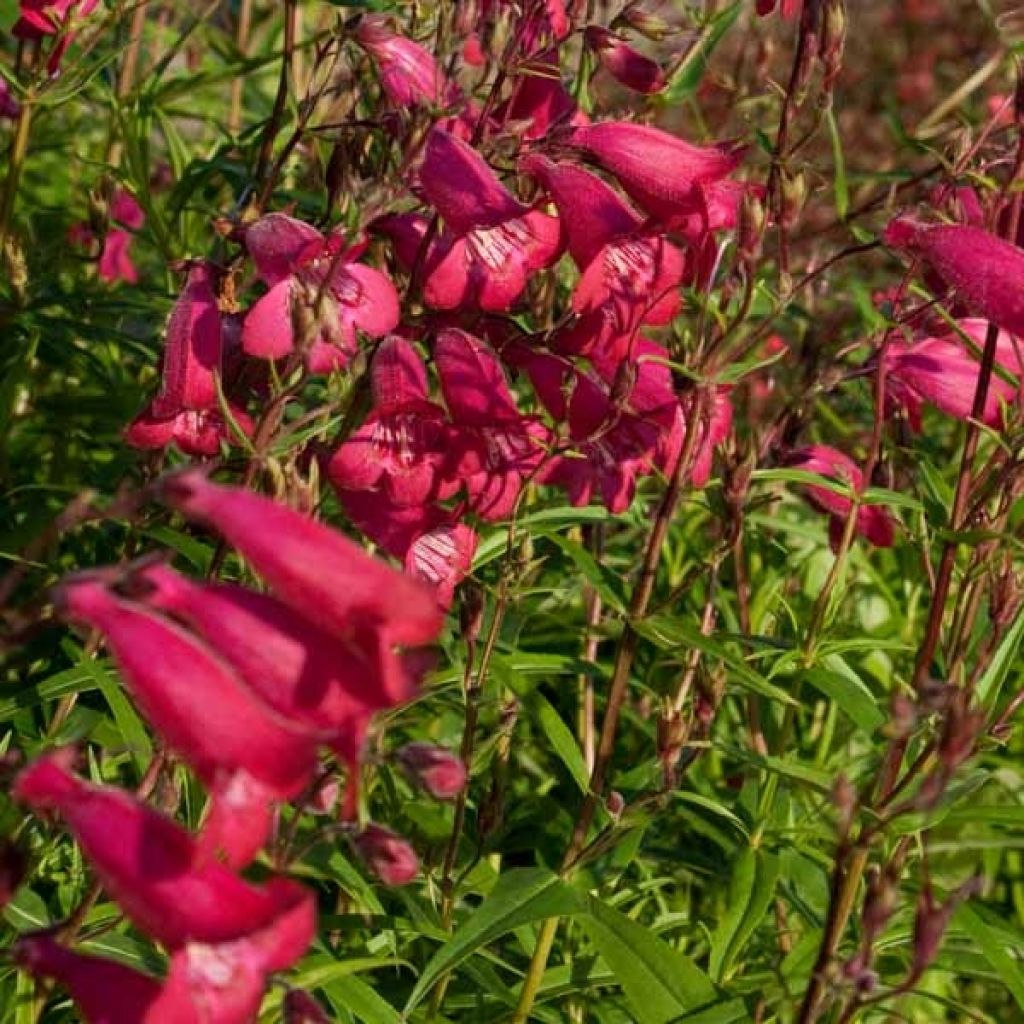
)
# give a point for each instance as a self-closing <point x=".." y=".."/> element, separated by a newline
<point x="649" y="25"/>
<point x="615" y="804"/>
<point x="324" y="797"/>
<point x="631" y="68"/>
<point x="753" y="220"/>
<point x="301" y="1008"/>
<point x="794" y="195"/>
<point x="440" y="772"/>
<point x="833" y="40"/>
<point x="390" y="857"/>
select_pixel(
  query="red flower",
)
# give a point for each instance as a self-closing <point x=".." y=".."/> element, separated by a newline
<point x="873" y="521"/>
<point x="538" y="101"/>
<point x="491" y="242"/>
<point x="185" y="411"/>
<point x="632" y="69"/>
<point x="495" y="448"/>
<point x="985" y="272"/>
<point x="40" y="18"/>
<point x="440" y="772"/>
<point x="314" y="569"/>
<point x="667" y="176"/>
<point x="303" y="268"/>
<point x="387" y="855"/>
<point x="402" y="444"/>
<point x="442" y="556"/>
<point x="789" y="8"/>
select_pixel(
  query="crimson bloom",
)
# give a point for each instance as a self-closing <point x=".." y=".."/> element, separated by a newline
<point x="317" y="276"/>
<point x="985" y="272"/>
<point x="491" y="242"/>
<point x="441" y="557"/>
<point x="495" y="448"/>
<point x="539" y="100"/>
<point x="40" y="18"/>
<point x="185" y="411"/>
<point x="625" y="64"/>
<point x="667" y="176"/>
<point x="874" y="522"/>
<point x="390" y="857"/>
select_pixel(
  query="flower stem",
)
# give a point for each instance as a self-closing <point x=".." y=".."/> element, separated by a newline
<point x="19" y="150"/>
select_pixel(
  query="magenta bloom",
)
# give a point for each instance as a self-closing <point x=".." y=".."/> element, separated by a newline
<point x="629" y="276"/>
<point x="442" y="556"/>
<point x="985" y="272"/>
<point x="789" y="8"/>
<point x="390" y="857"/>
<point x="303" y="268"/>
<point x="491" y="243"/>
<point x="664" y="174"/>
<point x="495" y="449"/>
<point x="539" y="101"/>
<point x="940" y="371"/>
<point x="408" y="73"/>
<point x="401" y="446"/>
<point x="873" y="521"/>
<point x="311" y="567"/>
<point x="185" y="411"/>
<point x="40" y="18"/>
<point x="153" y="868"/>
<point x="440" y="772"/>
<point x="115" y="259"/>
<point x="631" y="68"/>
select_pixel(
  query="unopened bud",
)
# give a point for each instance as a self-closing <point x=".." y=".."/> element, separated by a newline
<point x="845" y="797"/>
<point x="833" y="40"/>
<point x="649" y="25"/>
<point x="673" y="731"/>
<point x="615" y="804"/>
<point x="390" y="857"/>
<point x="628" y="66"/>
<point x="753" y="220"/>
<point x="440" y="772"/>
<point x="794" y="195"/>
<point x="879" y="903"/>
<point x="301" y="1008"/>
<point x="324" y="798"/>
<point x="471" y="611"/>
<point x="17" y="269"/>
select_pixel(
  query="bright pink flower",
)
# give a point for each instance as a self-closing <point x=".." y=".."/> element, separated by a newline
<point x="387" y="855"/>
<point x="873" y="521"/>
<point x="789" y="8"/>
<point x="302" y="267"/>
<point x="985" y="272"/>
<point x="244" y="752"/>
<point x="46" y="17"/>
<point x="440" y="772"/>
<point x="626" y="65"/>
<point x="539" y="100"/>
<point x="495" y="449"/>
<point x="155" y="871"/>
<point x="185" y="411"/>
<point x="667" y="176"/>
<point x="491" y="243"/>
<point x="629" y="276"/>
<point x="442" y="556"/>
<point x="940" y="371"/>
<point x="313" y="568"/>
<point x="408" y="73"/>
<point x="115" y="259"/>
<point x="402" y="444"/>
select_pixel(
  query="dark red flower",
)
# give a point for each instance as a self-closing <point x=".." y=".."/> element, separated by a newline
<point x="625" y="64"/>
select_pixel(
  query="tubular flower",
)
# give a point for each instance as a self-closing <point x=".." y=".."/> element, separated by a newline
<point x="539" y="101"/>
<point x="874" y="522"/>
<point x="940" y="371"/>
<point x="387" y="855"/>
<point x="629" y="276"/>
<point x="491" y="242"/>
<point x="985" y="272"/>
<point x="629" y="67"/>
<point x="400" y="448"/>
<point x="495" y="448"/>
<point x="442" y="556"/>
<point x="314" y="569"/>
<point x="40" y="18"/>
<point x="408" y="73"/>
<point x="155" y="870"/>
<point x="668" y="177"/>
<point x="185" y="411"/>
<point x="115" y="260"/>
<point x="316" y="278"/>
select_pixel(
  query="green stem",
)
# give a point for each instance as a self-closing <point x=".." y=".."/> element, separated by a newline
<point x="19" y="150"/>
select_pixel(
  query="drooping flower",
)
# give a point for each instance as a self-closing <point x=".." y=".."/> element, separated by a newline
<point x="623" y="62"/>
<point x="38" y="19"/>
<point x="154" y="869"/>
<point x="985" y="272"/>
<point x="115" y="259"/>
<point x="874" y="522"/>
<point x="491" y="243"/>
<point x="539" y="100"/>
<point x="495" y="448"/>
<point x="390" y="857"/>
<point x="185" y="411"/>
<point x="630" y="276"/>
<point x="245" y="753"/>
<point x="941" y="371"/>
<point x="316" y="280"/>
<point x="311" y="567"/>
<point x="667" y="176"/>
<point x="440" y="772"/>
<point x="401" y="446"/>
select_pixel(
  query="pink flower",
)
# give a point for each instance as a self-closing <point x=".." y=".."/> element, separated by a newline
<point x="495" y="449"/>
<point x="789" y="8"/>
<point x="401" y="446"/>
<point x="985" y="272"/>
<point x="46" y="17"/>
<point x="629" y="276"/>
<point x="316" y="276"/>
<point x="115" y="259"/>
<point x="241" y="749"/>
<point x="667" y="176"/>
<point x="155" y="871"/>
<point x="539" y="101"/>
<point x="409" y="75"/>
<point x="632" y="69"/>
<point x="873" y="521"/>
<point x="940" y="371"/>
<point x="442" y="556"/>
<point x="387" y="855"/>
<point x="185" y="411"/>
<point x="315" y="570"/>
<point x="491" y="243"/>
<point x="440" y="772"/>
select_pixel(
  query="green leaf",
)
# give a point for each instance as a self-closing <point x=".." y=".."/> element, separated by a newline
<point x="521" y="896"/>
<point x="992" y="679"/>
<point x="687" y="77"/>
<point x="659" y="982"/>
<point x="993" y="946"/>
<point x="561" y="739"/>
<point x="840" y="188"/>
<point x="751" y="889"/>
<point x="837" y="681"/>
<point x="9" y="12"/>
